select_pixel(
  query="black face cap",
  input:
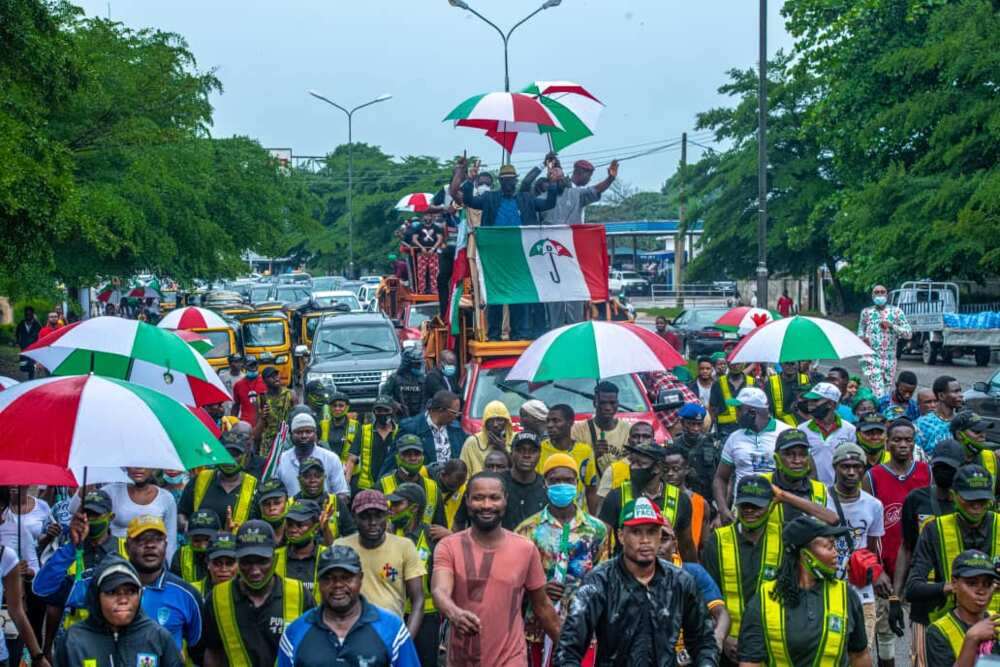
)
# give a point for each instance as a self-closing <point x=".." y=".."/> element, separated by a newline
<point x="754" y="490"/>
<point x="204" y="522"/>
<point x="973" y="563"/>
<point x="791" y="438"/>
<point x="271" y="488"/>
<point x="255" y="538"/>
<point x="98" y="502"/>
<point x="408" y="491"/>
<point x="949" y="452"/>
<point x="972" y="482"/>
<point x="803" y="529"/>
<point x="966" y="420"/>
<point x="304" y="510"/>
<point x="338" y="556"/>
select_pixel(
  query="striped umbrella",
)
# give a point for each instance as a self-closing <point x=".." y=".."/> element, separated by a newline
<point x="594" y="349"/>
<point x="200" y="343"/>
<point x="576" y="109"/>
<point x="744" y="319"/>
<point x="503" y="112"/>
<point x="56" y="426"/>
<point x="144" y="292"/>
<point x="798" y="339"/>
<point x="192" y="317"/>
<point x="416" y="202"/>
<point x="134" y="351"/>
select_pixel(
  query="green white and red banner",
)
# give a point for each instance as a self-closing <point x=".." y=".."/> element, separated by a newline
<point x="542" y="264"/>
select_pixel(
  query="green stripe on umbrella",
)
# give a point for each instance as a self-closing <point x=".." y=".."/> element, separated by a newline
<point x="576" y="347"/>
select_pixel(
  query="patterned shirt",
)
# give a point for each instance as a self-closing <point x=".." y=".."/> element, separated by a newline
<point x="568" y="553"/>
<point x="890" y="409"/>
<point x="659" y="381"/>
<point x="883" y="341"/>
<point x="931" y="430"/>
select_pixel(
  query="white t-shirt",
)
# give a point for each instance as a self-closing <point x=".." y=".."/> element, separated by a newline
<point x="821" y="449"/>
<point x="29" y="545"/>
<point x="865" y="517"/>
<point x="163" y="506"/>
<point x="8" y="561"/>
<point x="752" y="453"/>
<point x="288" y="471"/>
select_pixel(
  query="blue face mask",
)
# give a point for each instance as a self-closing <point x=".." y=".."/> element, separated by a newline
<point x="880" y="300"/>
<point x="448" y="369"/>
<point x="252" y="375"/>
<point x="561" y="495"/>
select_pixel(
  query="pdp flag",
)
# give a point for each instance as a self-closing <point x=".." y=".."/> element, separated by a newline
<point x="542" y="264"/>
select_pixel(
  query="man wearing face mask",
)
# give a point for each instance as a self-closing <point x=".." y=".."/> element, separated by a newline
<point x="406" y="385"/>
<point x="970" y="429"/>
<point x="881" y="326"/>
<point x="298" y="558"/>
<point x="342" y="430"/>
<point x="368" y="453"/>
<point x="226" y="489"/>
<point x="871" y="437"/>
<point x="304" y="447"/>
<point x="444" y="376"/>
<point x="795" y="492"/>
<point x="272" y="506"/>
<point x="749" y="449"/>
<point x="190" y="562"/>
<point x="727" y="386"/>
<point x="825" y="430"/>
<point x="335" y="515"/>
<point x="571" y="542"/>
<point x="702" y="451"/>
<point x="410" y="468"/>
<point x="509" y="208"/>
<point x="245" y="393"/>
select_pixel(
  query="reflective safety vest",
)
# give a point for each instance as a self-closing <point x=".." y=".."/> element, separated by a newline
<point x="731" y="567"/>
<point x="224" y="606"/>
<point x="951" y="544"/>
<point x="451" y="505"/>
<point x="424" y="551"/>
<point x="324" y="424"/>
<point x="189" y="569"/>
<point x="281" y="568"/>
<point x="833" y="641"/>
<point x="334" y="521"/>
<point x="671" y="500"/>
<point x="75" y="615"/>
<point x="952" y="631"/>
<point x="988" y="460"/>
<point x="199" y="585"/>
<point x="241" y="510"/>
<point x="363" y="471"/>
<point x="620" y="473"/>
<point x="728" y="416"/>
<point x="349" y="433"/>
<point x="818" y="495"/>
<point x="778" y="397"/>
<point x="389" y="484"/>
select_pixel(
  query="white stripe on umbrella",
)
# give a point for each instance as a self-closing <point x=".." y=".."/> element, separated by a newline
<point x="209" y="319"/>
<point x="116" y="336"/>
<point x="618" y="338"/>
<point x="7" y="383"/>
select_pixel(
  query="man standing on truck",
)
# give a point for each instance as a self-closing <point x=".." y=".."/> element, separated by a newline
<point x="881" y="326"/>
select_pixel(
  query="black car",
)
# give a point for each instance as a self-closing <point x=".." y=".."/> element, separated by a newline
<point x="355" y="353"/>
<point x="697" y="334"/>
<point x="984" y="400"/>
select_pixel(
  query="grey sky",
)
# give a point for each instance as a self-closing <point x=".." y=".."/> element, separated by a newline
<point x="654" y="63"/>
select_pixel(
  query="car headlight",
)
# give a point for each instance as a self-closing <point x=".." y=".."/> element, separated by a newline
<point x="386" y="374"/>
<point x="410" y="343"/>
<point x="282" y="359"/>
<point x="324" y="378"/>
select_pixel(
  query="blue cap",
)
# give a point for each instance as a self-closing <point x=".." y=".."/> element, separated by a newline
<point x="691" y="411"/>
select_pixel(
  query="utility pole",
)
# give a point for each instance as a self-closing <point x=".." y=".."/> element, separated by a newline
<point x="762" y="162"/>
<point x="681" y="226"/>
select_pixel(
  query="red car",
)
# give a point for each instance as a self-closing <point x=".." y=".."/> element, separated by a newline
<point x="486" y="381"/>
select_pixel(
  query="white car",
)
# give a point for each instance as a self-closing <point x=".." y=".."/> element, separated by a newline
<point x="330" y="298"/>
<point x="627" y="282"/>
<point x="366" y="295"/>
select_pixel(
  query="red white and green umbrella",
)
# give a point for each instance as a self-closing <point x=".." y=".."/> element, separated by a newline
<point x="200" y="343"/>
<point x="192" y="317"/>
<point x="56" y="426"/>
<point x="417" y="202"/>
<point x="576" y="109"/>
<point x="110" y="295"/>
<point x="134" y="351"/>
<point x="798" y="339"/>
<point x="503" y="112"/>
<point x="594" y="349"/>
<point x="744" y="319"/>
<point x="144" y="292"/>
<point x="7" y="383"/>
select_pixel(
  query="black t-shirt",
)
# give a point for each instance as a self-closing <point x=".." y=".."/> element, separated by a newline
<point x="523" y="500"/>
<point x="216" y="498"/>
<point x="918" y="506"/>
<point x="261" y="626"/>
<point x="803" y="629"/>
<point x="939" y="653"/>
<point x="612" y="507"/>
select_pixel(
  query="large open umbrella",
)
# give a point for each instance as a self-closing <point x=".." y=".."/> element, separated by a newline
<point x="594" y="349"/>
<point x="192" y="317"/>
<point x="57" y="426"/>
<point x="416" y="202"/>
<point x="798" y="338"/>
<point x="500" y="113"/>
<point x="144" y="292"/>
<point x="576" y="109"/>
<point x="134" y="351"/>
<point x="6" y="382"/>
<point x="744" y="319"/>
<point x="200" y="343"/>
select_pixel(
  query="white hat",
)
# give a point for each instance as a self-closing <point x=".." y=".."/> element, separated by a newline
<point x="823" y="391"/>
<point x="535" y="408"/>
<point x="752" y="397"/>
<point x="302" y="420"/>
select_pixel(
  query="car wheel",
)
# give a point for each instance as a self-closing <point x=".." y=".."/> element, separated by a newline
<point x="983" y="355"/>
<point x="929" y="353"/>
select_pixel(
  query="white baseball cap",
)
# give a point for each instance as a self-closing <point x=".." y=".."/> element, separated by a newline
<point x="823" y="391"/>
<point x="752" y="397"/>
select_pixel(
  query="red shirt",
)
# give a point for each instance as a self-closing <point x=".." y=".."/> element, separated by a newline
<point x="242" y="391"/>
<point x="46" y="330"/>
<point x="784" y="305"/>
<point x="892" y="491"/>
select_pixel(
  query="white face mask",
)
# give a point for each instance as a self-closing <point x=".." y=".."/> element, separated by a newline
<point x="481" y="189"/>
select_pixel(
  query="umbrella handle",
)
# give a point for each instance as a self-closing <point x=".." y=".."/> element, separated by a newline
<point x="79" y="548"/>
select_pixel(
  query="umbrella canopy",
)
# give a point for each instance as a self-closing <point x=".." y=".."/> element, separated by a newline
<point x="744" y="319"/>
<point x="110" y="295"/>
<point x="131" y="350"/>
<point x="576" y="109"/>
<point x="503" y="112"/>
<point x="7" y="383"/>
<point x="417" y="202"/>
<point x="57" y="425"/>
<point x="192" y="317"/>
<point x="594" y="349"/>
<point x="195" y="340"/>
<point x="798" y="339"/>
<point x="144" y="292"/>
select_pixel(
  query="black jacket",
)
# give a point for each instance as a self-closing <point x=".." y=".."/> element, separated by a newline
<point x="608" y="604"/>
<point x="27" y="332"/>
<point x="489" y="203"/>
<point x="93" y="639"/>
<point x="417" y="425"/>
<point x="407" y="389"/>
<point x="436" y="381"/>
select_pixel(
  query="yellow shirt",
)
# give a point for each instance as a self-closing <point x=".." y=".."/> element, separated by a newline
<point x="617" y="439"/>
<point x="473" y="455"/>
<point x="582" y="453"/>
<point x="387" y="569"/>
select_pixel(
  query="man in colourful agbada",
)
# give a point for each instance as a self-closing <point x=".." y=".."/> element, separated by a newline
<point x="571" y="542"/>
<point x="881" y="326"/>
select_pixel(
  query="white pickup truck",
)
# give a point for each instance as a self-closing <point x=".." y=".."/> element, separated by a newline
<point x="932" y="309"/>
<point x="627" y="282"/>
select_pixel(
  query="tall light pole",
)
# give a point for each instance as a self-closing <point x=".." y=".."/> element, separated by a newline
<point x="461" y="4"/>
<point x="762" y="162"/>
<point x="350" y="167"/>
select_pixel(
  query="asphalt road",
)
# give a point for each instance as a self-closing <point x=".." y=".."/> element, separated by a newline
<point x="963" y="370"/>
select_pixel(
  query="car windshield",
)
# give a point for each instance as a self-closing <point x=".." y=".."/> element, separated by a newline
<point x="366" y="339"/>
<point x="326" y="283"/>
<point x="706" y="317"/>
<point x="327" y="301"/>
<point x="630" y="275"/>
<point x="578" y="394"/>
<point x="259" y="334"/>
<point x="220" y="344"/>
<point x="291" y="294"/>
<point x="258" y="294"/>
<point x="420" y="314"/>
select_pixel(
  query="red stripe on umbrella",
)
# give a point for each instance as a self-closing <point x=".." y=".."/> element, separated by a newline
<point x="527" y="110"/>
<point x="664" y="351"/>
<point x="205" y="419"/>
<point x="48" y="339"/>
<point x="57" y="403"/>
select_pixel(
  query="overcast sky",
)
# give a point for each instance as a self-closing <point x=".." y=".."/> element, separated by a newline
<point x="654" y="63"/>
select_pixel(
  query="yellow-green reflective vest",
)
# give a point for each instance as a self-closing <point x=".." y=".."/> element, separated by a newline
<point x="731" y="568"/>
<point x="424" y="551"/>
<point x="224" y="606"/>
<point x="952" y="631"/>
<point x="833" y="641"/>
<point x="75" y="615"/>
<point x="778" y="397"/>
<point x="389" y="484"/>
<point x="241" y="510"/>
<point x="951" y="543"/>
<point x="728" y="416"/>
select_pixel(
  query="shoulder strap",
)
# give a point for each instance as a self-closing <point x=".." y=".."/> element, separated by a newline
<point x="593" y="431"/>
<point x="840" y="513"/>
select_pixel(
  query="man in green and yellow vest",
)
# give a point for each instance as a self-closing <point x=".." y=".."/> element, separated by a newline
<point x="871" y="434"/>
<point x="973" y="525"/>
<point x="724" y="390"/>
<point x="743" y="555"/>
<point x="245" y="617"/>
<point x="783" y="391"/>
<point x="406" y="511"/>
<point x="221" y="563"/>
<point x="225" y="489"/>
<point x="410" y="468"/>
<point x="190" y="562"/>
<point x="793" y="484"/>
<point x="312" y="486"/>
<point x="970" y="429"/>
<point x="369" y="449"/>
<point x="955" y="639"/>
<point x="303" y="538"/>
<point x="272" y="506"/>
<point x="342" y="430"/>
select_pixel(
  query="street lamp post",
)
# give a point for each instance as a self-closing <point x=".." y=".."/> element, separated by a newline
<point x="350" y="167"/>
<point x="461" y="4"/>
<point x="762" y="162"/>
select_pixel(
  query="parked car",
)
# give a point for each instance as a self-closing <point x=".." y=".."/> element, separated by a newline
<point x="697" y="334"/>
<point x="366" y="295"/>
<point x="295" y="278"/>
<point x="333" y="297"/>
<point x="327" y="283"/>
<point x="984" y="399"/>
<point x="371" y="279"/>
<point x="289" y="293"/>
<point x="627" y="282"/>
<point x="356" y="353"/>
